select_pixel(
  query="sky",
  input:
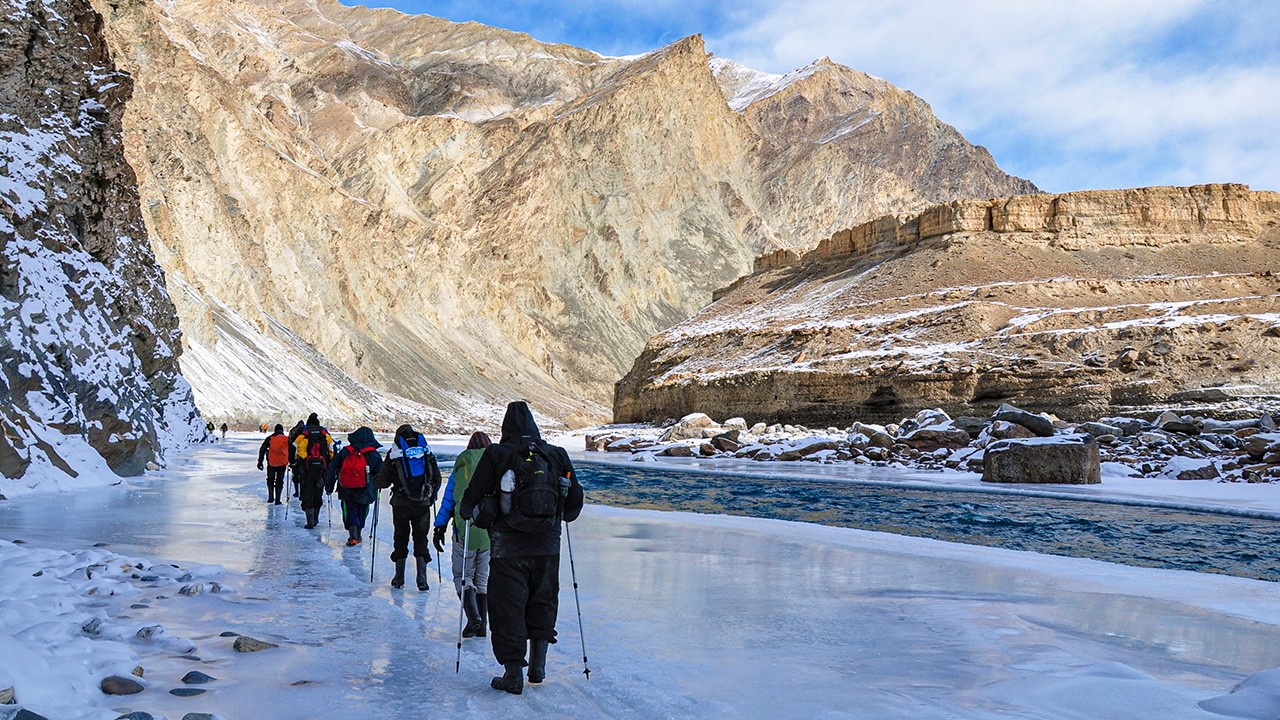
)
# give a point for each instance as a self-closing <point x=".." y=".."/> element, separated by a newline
<point x="1072" y="95"/>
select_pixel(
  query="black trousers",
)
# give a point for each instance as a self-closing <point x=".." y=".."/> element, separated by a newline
<point x="275" y="481"/>
<point x="524" y="598"/>
<point x="411" y="520"/>
<point x="311" y="485"/>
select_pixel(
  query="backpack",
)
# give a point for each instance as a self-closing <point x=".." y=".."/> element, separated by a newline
<point x="317" y="449"/>
<point x="354" y="473"/>
<point x="416" y="469"/>
<point x="535" y="498"/>
<point x="278" y="454"/>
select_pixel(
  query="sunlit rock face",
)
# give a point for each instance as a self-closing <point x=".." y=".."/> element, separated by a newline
<point x="375" y="215"/>
<point x="1079" y="304"/>
<point x="89" y="339"/>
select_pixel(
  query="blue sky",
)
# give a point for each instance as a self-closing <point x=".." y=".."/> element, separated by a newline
<point x="1072" y="95"/>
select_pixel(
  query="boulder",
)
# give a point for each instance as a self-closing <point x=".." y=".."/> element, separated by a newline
<point x="878" y="435"/>
<point x="972" y="425"/>
<point x="1098" y="429"/>
<point x="1183" y="468"/>
<point x="676" y="451"/>
<point x="928" y="439"/>
<point x="727" y="442"/>
<point x="1067" y="459"/>
<point x="736" y="424"/>
<point x="929" y="418"/>
<point x="1257" y="446"/>
<point x="195" y="677"/>
<point x="688" y="427"/>
<point x="1005" y="430"/>
<point x="1182" y="427"/>
<point x="1038" y="424"/>
<point x="1130" y="426"/>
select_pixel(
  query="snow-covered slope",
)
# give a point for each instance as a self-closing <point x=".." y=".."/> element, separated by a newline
<point x="88" y="336"/>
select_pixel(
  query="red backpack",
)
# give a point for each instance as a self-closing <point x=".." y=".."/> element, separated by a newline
<point x="354" y="472"/>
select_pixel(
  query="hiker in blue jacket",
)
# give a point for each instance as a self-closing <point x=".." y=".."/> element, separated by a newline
<point x="353" y="472"/>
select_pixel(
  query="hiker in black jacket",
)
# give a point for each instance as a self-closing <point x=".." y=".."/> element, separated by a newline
<point x="412" y="473"/>
<point x="510" y="486"/>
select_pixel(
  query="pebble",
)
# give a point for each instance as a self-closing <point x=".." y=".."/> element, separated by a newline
<point x="246" y="644"/>
<point x="195" y="677"/>
<point x="199" y="716"/>
<point x="228" y="633"/>
<point x="137" y="715"/>
<point x="141" y="606"/>
<point x="116" y="685"/>
<point x="187" y="692"/>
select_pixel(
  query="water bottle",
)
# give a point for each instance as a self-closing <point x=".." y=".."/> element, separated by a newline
<point x="507" y="484"/>
<point x="565" y="482"/>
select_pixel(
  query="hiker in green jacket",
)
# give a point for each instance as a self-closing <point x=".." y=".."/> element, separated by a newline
<point x="475" y="590"/>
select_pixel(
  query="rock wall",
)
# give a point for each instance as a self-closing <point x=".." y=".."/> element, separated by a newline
<point x="89" y="364"/>
<point x="1079" y="304"/>
<point x="456" y="214"/>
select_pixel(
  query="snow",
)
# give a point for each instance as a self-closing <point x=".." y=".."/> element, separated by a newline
<point x="683" y="615"/>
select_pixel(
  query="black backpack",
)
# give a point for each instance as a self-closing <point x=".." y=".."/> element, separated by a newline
<point x="317" y="450"/>
<point x="535" y="500"/>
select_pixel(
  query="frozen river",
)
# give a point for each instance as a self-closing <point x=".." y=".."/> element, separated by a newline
<point x="685" y="616"/>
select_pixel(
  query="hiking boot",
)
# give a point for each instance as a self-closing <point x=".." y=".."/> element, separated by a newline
<point x="512" y="679"/>
<point x="313" y="518"/>
<point x="537" y="660"/>
<point x="352" y="542"/>
<point x="472" y="609"/>
<point x="278" y="502"/>
<point x="482" y="607"/>
<point x="422" y="574"/>
<point x="398" y="580"/>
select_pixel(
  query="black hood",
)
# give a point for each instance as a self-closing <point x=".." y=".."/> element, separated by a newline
<point x="362" y="437"/>
<point x="312" y="419"/>
<point x="518" y="426"/>
<point x="407" y="433"/>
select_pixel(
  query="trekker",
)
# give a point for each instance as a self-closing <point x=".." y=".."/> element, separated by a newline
<point x="412" y="473"/>
<point x="521" y="490"/>
<point x="474" y="555"/>
<point x="314" y="451"/>
<point x="278" y="452"/>
<point x="293" y="439"/>
<point x="208" y="432"/>
<point x="350" y="472"/>
<point x="224" y="431"/>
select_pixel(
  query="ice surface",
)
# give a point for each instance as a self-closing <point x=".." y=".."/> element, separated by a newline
<point x="684" y="615"/>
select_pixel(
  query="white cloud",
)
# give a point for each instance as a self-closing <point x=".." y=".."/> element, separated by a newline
<point x="1073" y="95"/>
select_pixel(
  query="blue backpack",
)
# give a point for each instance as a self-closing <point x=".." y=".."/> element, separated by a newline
<point x="416" y="469"/>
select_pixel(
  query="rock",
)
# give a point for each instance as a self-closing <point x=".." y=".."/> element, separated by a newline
<point x="137" y="671"/>
<point x="1184" y="428"/>
<point x="1181" y="468"/>
<point x="92" y="626"/>
<point x="1166" y="417"/>
<point x="187" y="692"/>
<point x="689" y="427"/>
<point x="116" y="685"/>
<point x="727" y="442"/>
<point x="6" y="695"/>
<point x="1267" y="423"/>
<point x="1005" y="430"/>
<point x="931" y="417"/>
<point x="758" y="429"/>
<point x="1041" y="426"/>
<point x="972" y="425"/>
<point x="228" y="633"/>
<point x="195" y="677"/>
<point x="931" y="438"/>
<point x="200" y="716"/>
<point x="215" y="587"/>
<point x="676" y="451"/>
<point x="858" y="441"/>
<point x="737" y="424"/>
<point x="1098" y="429"/>
<point x="246" y="644"/>
<point x="192" y="589"/>
<point x="137" y="715"/>
<point x="21" y="714"/>
<point x="1070" y="459"/>
<point x="878" y="435"/>
<point x="1257" y="446"/>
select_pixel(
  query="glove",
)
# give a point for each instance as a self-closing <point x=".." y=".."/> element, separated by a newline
<point x="259" y="466"/>
<point x="437" y="538"/>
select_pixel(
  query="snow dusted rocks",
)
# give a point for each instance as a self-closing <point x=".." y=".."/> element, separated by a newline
<point x="1079" y="304"/>
<point x="88" y="335"/>
<point x="1067" y="459"/>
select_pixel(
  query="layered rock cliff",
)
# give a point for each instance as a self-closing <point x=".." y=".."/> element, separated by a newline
<point x="360" y="205"/>
<point x="1078" y="304"/>
<point x="89" y="341"/>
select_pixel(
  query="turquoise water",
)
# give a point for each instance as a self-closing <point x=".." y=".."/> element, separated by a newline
<point x="1133" y="535"/>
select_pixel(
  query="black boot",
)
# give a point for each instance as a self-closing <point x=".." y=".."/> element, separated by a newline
<point x="472" y="609"/>
<point x="537" y="660"/>
<point x="482" y="607"/>
<point x="422" y="574"/>
<point x="512" y="679"/>
<point x="271" y="494"/>
<point x="398" y="580"/>
<point x="312" y="517"/>
<point x="352" y="536"/>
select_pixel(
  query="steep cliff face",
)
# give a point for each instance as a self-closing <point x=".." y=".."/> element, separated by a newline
<point x="456" y="214"/>
<point x="88" y="374"/>
<point x="1078" y="304"/>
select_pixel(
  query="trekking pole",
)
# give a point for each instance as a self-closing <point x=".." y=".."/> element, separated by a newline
<point x="573" y="573"/>
<point x="462" y="607"/>
<point x="329" y="510"/>
<point x="439" y="576"/>
<point x="287" y="471"/>
<point x="373" y="537"/>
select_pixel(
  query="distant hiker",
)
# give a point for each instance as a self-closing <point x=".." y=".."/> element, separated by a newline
<point x="263" y="427"/>
<point x="208" y="432"/>
<point x="278" y="453"/>
<point x="475" y="555"/>
<point x="350" y="472"/>
<point x="412" y="473"/>
<point x="224" y="431"/>
<point x="314" y="451"/>
<point x="293" y="439"/>
<point x="521" y="490"/>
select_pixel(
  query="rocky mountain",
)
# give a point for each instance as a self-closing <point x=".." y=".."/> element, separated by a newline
<point x="377" y="215"/>
<point x="90" y="343"/>
<point x="1078" y="304"/>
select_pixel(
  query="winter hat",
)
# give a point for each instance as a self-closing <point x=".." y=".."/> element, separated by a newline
<point x="479" y="441"/>
<point x="312" y="419"/>
<point x="279" y="428"/>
